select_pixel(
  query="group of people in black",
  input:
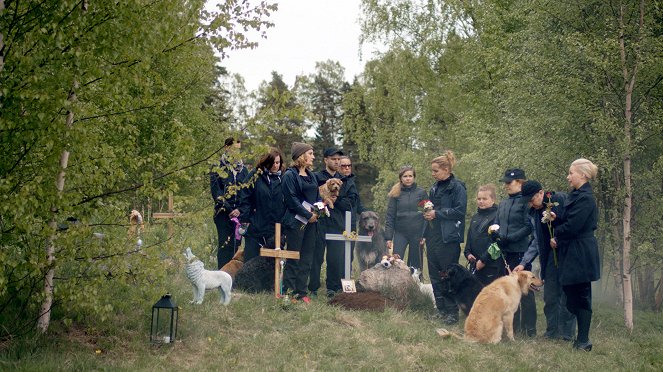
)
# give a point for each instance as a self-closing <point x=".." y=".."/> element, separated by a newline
<point x="530" y="222"/>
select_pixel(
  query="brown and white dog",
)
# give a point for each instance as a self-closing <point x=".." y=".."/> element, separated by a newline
<point x="330" y="190"/>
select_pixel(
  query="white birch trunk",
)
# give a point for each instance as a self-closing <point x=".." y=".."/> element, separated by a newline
<point x="45" y="313"/>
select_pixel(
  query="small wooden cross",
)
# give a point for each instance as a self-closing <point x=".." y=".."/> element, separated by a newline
<point x="168" y="215"/>
<point x="348" y="236"/>
<point x="279" y="255"/>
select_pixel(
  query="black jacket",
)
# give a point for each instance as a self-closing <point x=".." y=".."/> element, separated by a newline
<point x="225" y="190"/>
<point x="262" y="203"/>
<point x="515" y="226"/>
<point x="403" y="213"/>
<point x="478" y="239"/>
<point x="449" y="198"/>
<point x="574" y="232"/>
<point x="297" y="189"/>
<point x="346" y="201"/>
<point x="540" y="244"/>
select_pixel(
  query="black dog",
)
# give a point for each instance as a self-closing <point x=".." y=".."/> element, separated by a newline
<point x="257" y="275"/>
<point x="371" y="253"/>
<point x="461" y="285"/>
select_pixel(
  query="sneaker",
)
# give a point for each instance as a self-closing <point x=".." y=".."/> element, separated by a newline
<point x="306" y="299"/>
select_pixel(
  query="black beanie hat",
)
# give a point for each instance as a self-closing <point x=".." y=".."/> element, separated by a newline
<point x="530" y="188"/>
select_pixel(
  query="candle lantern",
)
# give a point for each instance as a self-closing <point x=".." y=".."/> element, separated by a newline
<point x="163" y="329"/>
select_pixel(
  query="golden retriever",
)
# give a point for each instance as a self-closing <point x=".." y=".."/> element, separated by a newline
<point x="329" y="191"/>
<point x="492" y="312"/>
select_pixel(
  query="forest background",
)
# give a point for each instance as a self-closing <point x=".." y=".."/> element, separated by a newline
<point x="106" y="107"/>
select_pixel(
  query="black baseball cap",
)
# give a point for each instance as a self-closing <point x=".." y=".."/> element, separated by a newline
<point x="332" y="151"/>
<point x="513" y="174"/>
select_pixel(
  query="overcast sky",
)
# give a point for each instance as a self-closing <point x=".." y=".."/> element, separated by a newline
<point x="305" y="32"/>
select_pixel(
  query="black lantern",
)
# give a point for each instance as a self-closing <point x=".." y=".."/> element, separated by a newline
<point x="163" y="329"/>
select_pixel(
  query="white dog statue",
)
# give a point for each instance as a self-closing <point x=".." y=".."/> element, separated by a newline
<point x="202" y="279"/>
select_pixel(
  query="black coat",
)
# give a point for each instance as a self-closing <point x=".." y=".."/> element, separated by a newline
<point x="296" y="189"/>
<point x="542" y="232"/>
<point x="346" y="201"/>
<point x="403" y="213"/>
<point x="478" y="239"/>
<point x="574" y="232"/>
<point x="262" y="203"/>
<point x="227" y="197"/>
<point x="449" y="198"/>
<point x="515" y="226"/>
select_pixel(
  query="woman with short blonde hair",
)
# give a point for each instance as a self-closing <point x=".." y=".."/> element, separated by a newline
<point x="579" y="263"/>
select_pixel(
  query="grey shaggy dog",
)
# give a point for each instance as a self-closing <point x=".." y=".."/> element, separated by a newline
<point x="371" y="253"/>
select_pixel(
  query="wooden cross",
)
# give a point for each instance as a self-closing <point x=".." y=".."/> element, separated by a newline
<point x="348" y="236"/>
<point x="168" y="215"/>
<point x="279" y="255"/>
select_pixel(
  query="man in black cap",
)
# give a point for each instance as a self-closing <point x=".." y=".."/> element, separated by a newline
<point x="560" y="323"/>
<point x="335" y="224"/>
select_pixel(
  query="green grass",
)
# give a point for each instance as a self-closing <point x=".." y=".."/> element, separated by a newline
<point x="255" y="333"/>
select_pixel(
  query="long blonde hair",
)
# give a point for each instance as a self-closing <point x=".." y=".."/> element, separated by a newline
<point x="396" y="189"/>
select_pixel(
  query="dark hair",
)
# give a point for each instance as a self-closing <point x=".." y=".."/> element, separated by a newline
<point x="231" y="141"/>
<point x="267" y="160"/>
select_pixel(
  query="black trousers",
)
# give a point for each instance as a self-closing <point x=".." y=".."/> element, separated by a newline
<point x="560" y="323"/>
<point x="253" y="243"/>
<point x="318" y="258"/>
<point x="227" y="244"/>
<point x="579" y="303"/>
<point x="296" y="272"/>
<point x="405" y="239"/>
<point x="524" y="320"/>
<point x="439" y="256"/>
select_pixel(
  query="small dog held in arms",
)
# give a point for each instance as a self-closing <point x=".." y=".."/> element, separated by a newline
<point x="202" y="279"/>
<point x="492" y="313"/>
<point x="330" y="190"/>
<point x="370" y="254"/>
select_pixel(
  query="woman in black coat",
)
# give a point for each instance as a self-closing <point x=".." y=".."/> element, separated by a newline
<point x="574" y="239"/>
<point x="300" y="189"/>
<point x="262" y="203"/>
<point x="224" y="189"/>
<point x="404" y="222"/>
<point x="445" y="230"/>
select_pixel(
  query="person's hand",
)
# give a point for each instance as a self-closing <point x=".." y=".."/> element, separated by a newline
<point x="480" y="265"/>
<point x="390" y="245"/>
<point x="518" y="268"/>
<point x="429" y="216"/>
<point x="422" y="241"/>
<point x="553" y="243"/>
<point x="234" y="213"/>
<point x="552" y="216"/>
<point x="471" y="258"/>
<point x="314" y="218"/>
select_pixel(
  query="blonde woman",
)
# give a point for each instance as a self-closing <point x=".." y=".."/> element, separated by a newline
<point x="445" y="229"/>
<point x="404" y="222"/>
<point x="578" y="249"/>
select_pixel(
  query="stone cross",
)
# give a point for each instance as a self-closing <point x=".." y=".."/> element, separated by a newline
<point x="279" y="256"/>
<point x="348" y="236"/>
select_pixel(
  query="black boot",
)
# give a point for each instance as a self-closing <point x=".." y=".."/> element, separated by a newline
<point x="584" y="322"/>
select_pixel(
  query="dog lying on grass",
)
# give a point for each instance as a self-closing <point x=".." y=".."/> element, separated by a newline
<point x="202" y="279"/>
<point x="492" y="313"/>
